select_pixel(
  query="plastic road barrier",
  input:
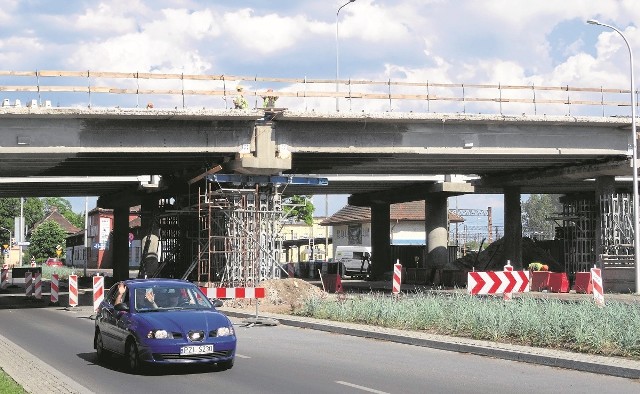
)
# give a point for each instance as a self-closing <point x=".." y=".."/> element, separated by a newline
<point x="73" y="290"/>
<point x="5" y="278"/>
<point x="234" y="292"/>
<point x="98" y="291"/>
<point x="397" y="278"/>
<point x="507" y="296"/>
<point x="54" y="288"/>
<point x="28" y="284"/>
<point x="38" y="285"/>
<point x="498" y="282"/>
<point x="598" y="290"/>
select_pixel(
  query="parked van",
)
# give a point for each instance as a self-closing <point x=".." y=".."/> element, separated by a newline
<point x="354" y="260"/>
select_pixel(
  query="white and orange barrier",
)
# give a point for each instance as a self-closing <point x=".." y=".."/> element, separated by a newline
<point x="598" y="289"/>
<point x="73" y="290"/>
<point x="98" y="291"/>
<point x="234" y="292"/>
<point x="28" y="284"/>
<point x="37" y="285"/>
<point x="55" y="283"/>
<point x="397" y="278"/>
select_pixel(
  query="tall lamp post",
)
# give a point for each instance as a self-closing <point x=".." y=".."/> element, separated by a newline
<point x="337" y="54"/>
<point x="634" y="148"/>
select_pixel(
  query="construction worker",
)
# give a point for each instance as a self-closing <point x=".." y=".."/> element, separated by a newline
<point x="269" y="101"/>
<point x="240" y="102"/>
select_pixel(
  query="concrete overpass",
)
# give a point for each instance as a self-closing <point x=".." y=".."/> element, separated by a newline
<point x="49" y="151"/>
<point x="538" y="154"/>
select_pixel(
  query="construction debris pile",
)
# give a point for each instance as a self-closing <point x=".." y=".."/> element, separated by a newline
<point x="492" y="258"/>
<point x="283" y="295"/>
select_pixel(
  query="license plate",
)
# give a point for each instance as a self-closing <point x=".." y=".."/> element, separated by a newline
<point x="202" y="349"/>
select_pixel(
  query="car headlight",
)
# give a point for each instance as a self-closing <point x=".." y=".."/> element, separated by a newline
<point x="159" y="334"/>
<point x="224" y="331"/>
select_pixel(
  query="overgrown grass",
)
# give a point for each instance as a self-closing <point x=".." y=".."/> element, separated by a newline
<point x="578" y="326"/>
<point x="8" y="385"/>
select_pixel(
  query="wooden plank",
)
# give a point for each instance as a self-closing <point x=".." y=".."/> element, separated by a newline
<point x="213" y="170"/>
<point x="18" y="73"/>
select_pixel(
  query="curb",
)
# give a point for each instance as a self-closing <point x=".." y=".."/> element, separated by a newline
<point x="553" y="358"/>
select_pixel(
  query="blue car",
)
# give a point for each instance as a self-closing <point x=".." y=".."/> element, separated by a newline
<point x="163" y="321"/>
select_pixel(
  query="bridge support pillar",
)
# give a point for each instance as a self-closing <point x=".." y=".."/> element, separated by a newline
<point x="436" y="232"/>
<point x="380" y="248"/>
<point x="513" y="227"/>
<point x="120" y="245"/>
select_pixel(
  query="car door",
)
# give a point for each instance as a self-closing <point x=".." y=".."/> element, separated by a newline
<point x="106" y="318"/>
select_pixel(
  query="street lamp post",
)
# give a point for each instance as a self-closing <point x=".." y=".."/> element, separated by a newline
<point x="337" y="54"/>
<point x="634" y="148"/>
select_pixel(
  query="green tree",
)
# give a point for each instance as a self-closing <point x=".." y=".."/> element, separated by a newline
<point x="45" y="238"/>
<point x="535" y="213"/>
<point x="10" y="209"/>
<point x="300" y="208"/>
<point x="63" y="206"/>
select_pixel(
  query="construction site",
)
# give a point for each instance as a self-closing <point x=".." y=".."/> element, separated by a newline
<point x="227" y="233"/>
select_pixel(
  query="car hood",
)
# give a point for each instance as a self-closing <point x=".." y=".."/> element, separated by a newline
<point x="184" y="320"/>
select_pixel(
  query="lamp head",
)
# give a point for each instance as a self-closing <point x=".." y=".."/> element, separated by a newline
<point x="593" y="22"/>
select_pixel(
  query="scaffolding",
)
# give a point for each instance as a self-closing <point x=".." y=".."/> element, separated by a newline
<point x="239" y="239"/>
<point x="617" y="229"/>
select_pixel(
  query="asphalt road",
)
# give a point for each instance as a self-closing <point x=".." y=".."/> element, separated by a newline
<point x="285" y="359"/>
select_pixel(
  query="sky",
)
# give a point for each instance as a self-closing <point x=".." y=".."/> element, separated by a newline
<point x="524" y="42"/>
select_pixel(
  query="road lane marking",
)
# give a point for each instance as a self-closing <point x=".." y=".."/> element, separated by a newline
<point x="355" y="386"/>
<point x="242" y="356"/>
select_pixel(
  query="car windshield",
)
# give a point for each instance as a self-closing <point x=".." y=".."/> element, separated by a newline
<point x="162" y="297"/>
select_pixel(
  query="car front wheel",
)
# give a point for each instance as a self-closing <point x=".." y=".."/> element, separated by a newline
<point x="100" y="350"/>
<point x="132" y="356"/>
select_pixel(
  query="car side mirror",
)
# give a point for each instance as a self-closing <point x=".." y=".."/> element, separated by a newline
<point x="121" y="307"/>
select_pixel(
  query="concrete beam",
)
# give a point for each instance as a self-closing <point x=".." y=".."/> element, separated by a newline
<point x="262" y="156"/>
<point x="410" y="193"/>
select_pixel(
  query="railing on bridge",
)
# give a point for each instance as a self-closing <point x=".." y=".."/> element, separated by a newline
<point x="173" y="91"/>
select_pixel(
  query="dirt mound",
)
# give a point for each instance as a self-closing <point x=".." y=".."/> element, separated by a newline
<point x="492" y="258"/>
<point x="283" y="295"/>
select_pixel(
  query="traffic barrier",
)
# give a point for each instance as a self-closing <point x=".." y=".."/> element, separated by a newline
<point x="582" y="283"/>
<point x="5" y="278"/>
<point x="73" y="290"/>
<point x="397" y="278"/>
<point x="598" y="290"/>
<point x="558" y="282"/>
<point x="37" y="284"/>
<point x="98" y="291"/>
<point x="28" y="284"/>
<point x="54" y="288"/>
<point x="234" y="292"/>
<point x="498" y="282"/>
<point x="507" y="296"/>
<point x="291" y="270"/>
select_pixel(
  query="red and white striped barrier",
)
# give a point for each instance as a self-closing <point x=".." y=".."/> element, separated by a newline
<point x="397" y="278"/>
<point x="498" y="282"/>
<point x="507" y="296"/>
<point x="73" y="290"/>
<point x="98" y="291"/>
<point x="28" y="284"/>
<point x="598" y="289"/>
<point x="5" y="278"/>
<point x="54" y="288"/>
<point x="234" y="292"/>
<point x="37" y="284"/>
<point x="291" y="270"/>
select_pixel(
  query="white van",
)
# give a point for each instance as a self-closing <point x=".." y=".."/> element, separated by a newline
<point x="354" y="260"/>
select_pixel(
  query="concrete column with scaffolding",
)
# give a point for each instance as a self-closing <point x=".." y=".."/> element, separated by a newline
<point x="239" y="220"/>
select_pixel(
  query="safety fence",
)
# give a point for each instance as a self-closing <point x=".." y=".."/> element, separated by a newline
<point x="307" y="94"/>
